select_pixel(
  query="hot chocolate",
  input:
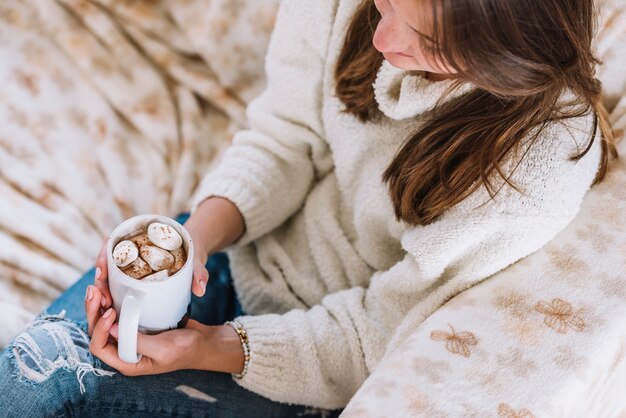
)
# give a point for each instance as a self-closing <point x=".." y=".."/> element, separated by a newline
<point x="152" y="254"/>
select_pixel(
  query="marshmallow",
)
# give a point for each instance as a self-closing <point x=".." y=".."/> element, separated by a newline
<point x="157" y="258"/>
<point x="137" y="269"/>
<point x="140" y="239"/>
<point x="179" y="260"/>
<point x="125" y="252"/>
<point x="164" y="236"/>
<point x="159" y="276"/>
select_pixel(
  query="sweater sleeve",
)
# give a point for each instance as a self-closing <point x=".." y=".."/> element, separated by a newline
<point x="269" y="168"/>
<point x="321" y="356"/>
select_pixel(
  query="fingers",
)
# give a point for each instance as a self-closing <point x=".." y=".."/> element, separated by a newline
<point x="92" y="307"/>
<point x="114" y="331"/>
<point x="101" y="276"/>
<point x="148" y="345"/>
<point x="100" y="335"/>
<point x="200" y="278"/>
<point x="101" y="260"/>
<point x="200" y="273"/>
<point x="100" y="347"/>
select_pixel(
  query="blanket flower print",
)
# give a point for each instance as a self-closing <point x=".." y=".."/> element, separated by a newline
<point x="560" y="316"/>
<point x="456" y="343"/>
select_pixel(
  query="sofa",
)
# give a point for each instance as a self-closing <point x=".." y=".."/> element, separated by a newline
<point x="89" y="85"/>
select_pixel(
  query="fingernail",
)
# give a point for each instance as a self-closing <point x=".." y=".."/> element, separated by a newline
<point x="107" y="313"/>
<point x="97" y="275"/>
<point x="103" y="301"/>
<point x="202" y="285"/>
<point x="89" y="293"/>
<point x="113" y="330"/>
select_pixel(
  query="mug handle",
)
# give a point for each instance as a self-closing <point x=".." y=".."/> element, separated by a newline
<point x="129" y="326"/>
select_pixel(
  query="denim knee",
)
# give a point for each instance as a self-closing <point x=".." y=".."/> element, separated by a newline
<point x="50" y="343"/>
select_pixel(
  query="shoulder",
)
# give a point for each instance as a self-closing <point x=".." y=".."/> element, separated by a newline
<point x="311" y="20"/>
<point x="551" y="154"/>
<point x="550" y="182"/>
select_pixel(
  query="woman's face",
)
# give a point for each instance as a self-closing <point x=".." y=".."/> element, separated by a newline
<point x="398" y="36"/>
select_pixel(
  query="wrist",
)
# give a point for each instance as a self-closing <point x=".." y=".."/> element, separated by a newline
<point x="218" y="223"/>
<point x="221" y="350"/>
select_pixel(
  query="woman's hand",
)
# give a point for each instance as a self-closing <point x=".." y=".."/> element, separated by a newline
<point x="165" y="352"/>
<point x="196" y="346"/>
<point x="215" y="224"/>
<point x="98" y="299"/>
<point x="200" y="256"/>
<point x="101" y="277"/>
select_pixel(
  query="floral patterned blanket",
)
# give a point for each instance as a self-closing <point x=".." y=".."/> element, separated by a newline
<point x="109" y="108"/>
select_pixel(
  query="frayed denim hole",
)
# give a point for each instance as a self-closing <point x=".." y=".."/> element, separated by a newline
<point x="16" y="374"/>
<point x="51" y="342"/>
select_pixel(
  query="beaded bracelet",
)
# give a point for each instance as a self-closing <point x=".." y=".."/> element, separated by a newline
<point x="243" y="337"/>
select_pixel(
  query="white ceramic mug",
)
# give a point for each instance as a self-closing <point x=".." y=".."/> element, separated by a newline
<point x="149" y="307"/>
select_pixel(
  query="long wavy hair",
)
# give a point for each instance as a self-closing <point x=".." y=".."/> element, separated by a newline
<point x="520" y="54"/>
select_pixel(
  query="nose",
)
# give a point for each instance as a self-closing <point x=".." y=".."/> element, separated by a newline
<point x="386" y="37"/>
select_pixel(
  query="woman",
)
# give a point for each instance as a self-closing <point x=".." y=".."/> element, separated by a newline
<point x="402" y="152"/>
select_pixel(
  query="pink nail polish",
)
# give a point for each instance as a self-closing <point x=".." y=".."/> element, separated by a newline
<point x="103" y="301"/>
<point x="107" y="313"/>
<point x="89" y="292"/>
<point x="97" y="274"/>
<point x="202" y="285"/>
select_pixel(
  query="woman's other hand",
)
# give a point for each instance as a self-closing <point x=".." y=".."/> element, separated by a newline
<point x="98" y="296"/>
<point x="101" y="277"/>
<point x="177" y="349"/>
<point x="200" y="256"/>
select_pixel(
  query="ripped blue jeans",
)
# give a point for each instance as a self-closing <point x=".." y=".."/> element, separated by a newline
<point x="48" y="370"/>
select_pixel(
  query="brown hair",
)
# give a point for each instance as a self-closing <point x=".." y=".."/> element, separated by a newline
<point x="521" y="55"/>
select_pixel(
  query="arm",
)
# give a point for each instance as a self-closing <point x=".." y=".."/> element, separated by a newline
<point x="215" y="224"/>
<point x="270" y="167"/>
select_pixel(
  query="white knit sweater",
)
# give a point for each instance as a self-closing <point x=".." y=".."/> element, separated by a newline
<point x="329" y="279"/>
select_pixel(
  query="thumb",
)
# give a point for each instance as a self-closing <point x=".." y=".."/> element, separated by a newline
<point x="149" y="345"/>
<point x="200" y="279"/>
<point x="146" y="344"/>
